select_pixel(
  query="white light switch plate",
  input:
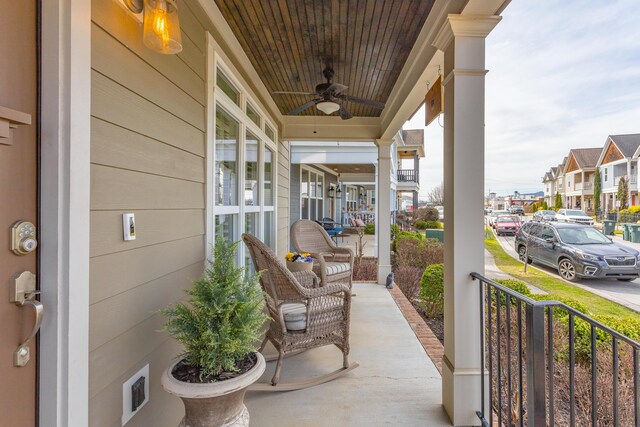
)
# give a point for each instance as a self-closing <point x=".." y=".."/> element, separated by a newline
<point x="127" y="413"/>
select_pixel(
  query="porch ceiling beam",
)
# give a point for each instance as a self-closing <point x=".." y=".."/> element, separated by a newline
<point x="330" y="128"/>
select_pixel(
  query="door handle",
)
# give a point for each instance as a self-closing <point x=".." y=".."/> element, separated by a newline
<point x="23" y="293"/>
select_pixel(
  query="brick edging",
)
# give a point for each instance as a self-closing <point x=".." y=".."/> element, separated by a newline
<point x="423" y="332"/>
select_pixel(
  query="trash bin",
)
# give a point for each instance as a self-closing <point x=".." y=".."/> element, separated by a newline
<point x="608" y="227"/>
<point x="634" y="233"/>
<point x="434" y="234"/>
<point x="625" y="232"/>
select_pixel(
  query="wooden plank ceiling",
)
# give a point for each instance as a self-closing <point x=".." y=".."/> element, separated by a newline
<point x="289" y="42"/>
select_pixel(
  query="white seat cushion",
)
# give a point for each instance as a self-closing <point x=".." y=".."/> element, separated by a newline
<point x="295" y="316"/>
<point x="337" y="267"/>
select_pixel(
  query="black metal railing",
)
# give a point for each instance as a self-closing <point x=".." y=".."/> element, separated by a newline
<point x="407" y="175"/>
<point x="550" y="364"/>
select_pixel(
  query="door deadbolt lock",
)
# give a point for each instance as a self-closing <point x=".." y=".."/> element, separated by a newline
<point x="23" y="238"/>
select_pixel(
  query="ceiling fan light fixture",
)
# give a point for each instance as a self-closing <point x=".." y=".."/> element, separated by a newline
<point x="328" y="107"/>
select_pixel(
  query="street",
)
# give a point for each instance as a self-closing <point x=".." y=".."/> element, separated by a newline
<point x="624" y="293"/>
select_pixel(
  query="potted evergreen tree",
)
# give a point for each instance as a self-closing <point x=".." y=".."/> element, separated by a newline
<point x="218" y="326"/>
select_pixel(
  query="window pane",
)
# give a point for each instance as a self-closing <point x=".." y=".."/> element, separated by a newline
<point x="250" y="227"/>
<point x="319" y="191"/>
<point x="312" y="185"/>
<point x="304" y="208"/>
<point x="253" y="114"/>
<point x="225" y="85"/>
<point x="270" y="133"/>
<point x="251" y="171"/>
<point x="225" y="168"/>
<point x="312" y="209"/>
<point x="320" y="210"/>
<point x="304" y="184"/>
<point x="225" y="227"/>
<point x="268" y="177"/>
<point x="269" y="239"/>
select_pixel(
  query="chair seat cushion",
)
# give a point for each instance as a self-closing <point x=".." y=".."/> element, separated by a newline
<point x="295" y="316"/>
<point x="337" y="267"/>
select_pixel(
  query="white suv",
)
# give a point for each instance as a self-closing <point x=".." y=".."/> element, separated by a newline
<point x="574" y="216"/>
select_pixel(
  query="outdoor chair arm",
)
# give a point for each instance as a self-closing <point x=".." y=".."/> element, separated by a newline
<point x="327" y="290"/>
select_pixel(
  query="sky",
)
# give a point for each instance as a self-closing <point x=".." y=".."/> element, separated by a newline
<point x="561" y="75"/>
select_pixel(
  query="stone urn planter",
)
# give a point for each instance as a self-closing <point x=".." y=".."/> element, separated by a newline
<point x="218" y="404"/>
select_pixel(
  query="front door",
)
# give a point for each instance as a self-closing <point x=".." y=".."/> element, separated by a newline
<point x="18" y="206"/>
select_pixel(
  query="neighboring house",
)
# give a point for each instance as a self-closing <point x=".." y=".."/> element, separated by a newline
<point x="409" y="149"/>
<point x="559" y="183"/>
<point x="619" y="158"/>
<point x="549" y="183"/>
<point x="579" y="172"/>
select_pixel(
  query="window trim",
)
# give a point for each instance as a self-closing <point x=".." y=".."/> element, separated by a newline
<point x="318" y="173"/>
<point x="216" y="98"/>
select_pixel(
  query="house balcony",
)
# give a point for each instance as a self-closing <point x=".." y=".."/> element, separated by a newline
<point x="395" y="384"/>
<point x="633" y="181"/>
<point x="407" y="175"/>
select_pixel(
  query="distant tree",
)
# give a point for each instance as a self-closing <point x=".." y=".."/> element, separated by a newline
<point x="436" y="195"/>
<point x="558" y="204"/>
<point x="623" y="193"/>
<point x="544" y="206"/>
<point x="597" y="190"/>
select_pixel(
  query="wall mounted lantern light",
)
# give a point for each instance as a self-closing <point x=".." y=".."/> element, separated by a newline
<point x="330" y="191"/>
<point x="339" y="192"/>
<point x="161" y="26"/>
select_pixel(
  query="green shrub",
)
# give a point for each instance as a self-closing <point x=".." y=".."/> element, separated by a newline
<point x="370" y="229"/>
<point x="421" y="225"/>
<point x="395" y="229"/>
<point x="432" y="290"/>
<point x="516" y="285"/>
<point x="435" y="225"/>
<point x="221" y="320"/>
<point x="427" y="214"/>
<point x="406" y="235"/>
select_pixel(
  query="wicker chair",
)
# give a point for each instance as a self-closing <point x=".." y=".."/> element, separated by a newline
<point x="332" y="263"/>
<point x="303" y="315"/>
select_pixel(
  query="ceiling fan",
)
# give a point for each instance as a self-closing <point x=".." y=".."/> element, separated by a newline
<point x="328" y="98"/>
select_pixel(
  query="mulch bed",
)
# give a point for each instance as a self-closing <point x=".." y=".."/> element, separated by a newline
<point x="191" y="374"/>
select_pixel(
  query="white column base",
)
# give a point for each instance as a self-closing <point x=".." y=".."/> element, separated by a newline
<point x="462" y="385"/>
<point x="383" y="272"/>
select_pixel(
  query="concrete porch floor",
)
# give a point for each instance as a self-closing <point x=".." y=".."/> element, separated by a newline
<point x="396" y="383"/>
<point x="351" y="241"/>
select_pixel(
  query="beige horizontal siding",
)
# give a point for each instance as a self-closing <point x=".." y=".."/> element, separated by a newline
<point x="114" y="20"/>
<point x="147" y="154"/>
<point x="283" y="198"/>
<point x="154" y="227"/>
<point x="115" y="146"/>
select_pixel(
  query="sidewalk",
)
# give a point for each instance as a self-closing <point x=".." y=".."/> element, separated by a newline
<point x="492" y="271"/>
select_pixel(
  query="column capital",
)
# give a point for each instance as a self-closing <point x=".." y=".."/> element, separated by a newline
<point x="464" y="26"/>
<point x="384" y="142"/>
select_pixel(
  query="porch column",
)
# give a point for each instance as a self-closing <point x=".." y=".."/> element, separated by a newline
<point x="629" y="204"/>
<point x="462" y="39"/>
<point x="415" y="200"/>
<point x="383" y="209"/>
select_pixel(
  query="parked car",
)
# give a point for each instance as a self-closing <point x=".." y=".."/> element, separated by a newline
<point x="576" y="251"/>
<point x="507" y="224"/>
<point x="494" y="215"/>
<point x="575" y="216"/>
<point x="544" y="215"/>
<point x="516" y="210"/>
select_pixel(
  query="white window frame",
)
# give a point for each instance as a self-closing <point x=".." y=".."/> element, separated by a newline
<point x="216" y="98"/>
<point x="318" y="173"/>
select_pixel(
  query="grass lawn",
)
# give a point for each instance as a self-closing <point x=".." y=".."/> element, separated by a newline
<point x="552" y="285"/>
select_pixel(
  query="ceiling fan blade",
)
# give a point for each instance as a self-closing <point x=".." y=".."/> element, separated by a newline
<point x="283" y="92"/>
<point x="336" y="88"/>
<point x="303" y="107"/>
<point x="344" y="114"/>
<point x="369" y="102"/>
